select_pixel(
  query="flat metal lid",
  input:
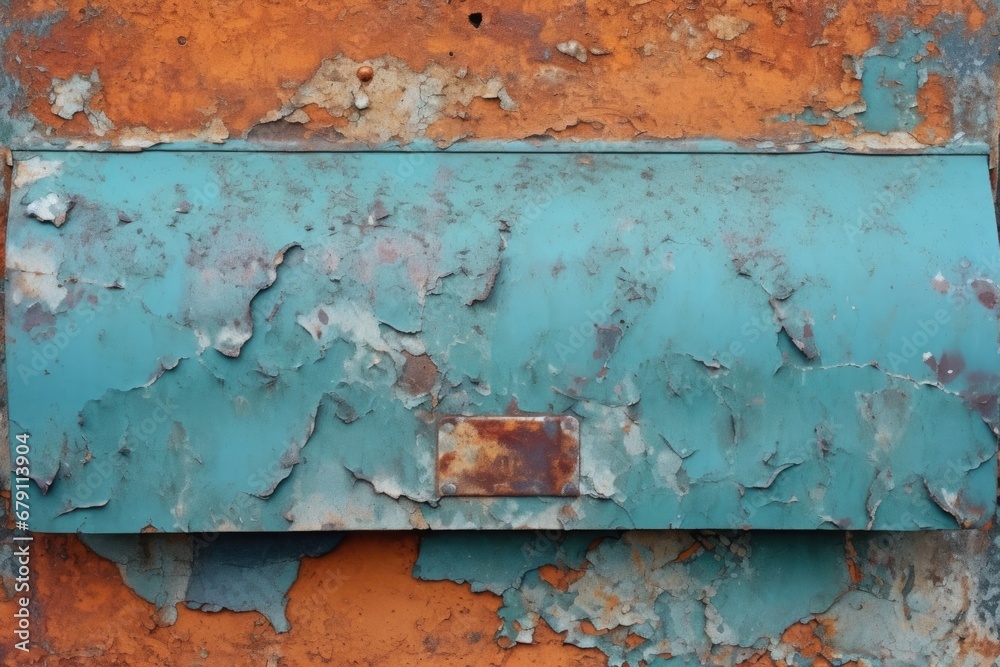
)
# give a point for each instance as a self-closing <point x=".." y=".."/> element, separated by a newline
<point x="267" y="341"/>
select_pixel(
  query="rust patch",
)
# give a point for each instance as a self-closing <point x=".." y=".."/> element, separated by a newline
<point x="981" y="395"/>
<point x="987" y="293"/>
<point x="509" y="456"/>
<point x="607" y="340"/>
<point x="394" y="617"/>
<point x="933" y="103"/>
<point x="208" y="70"/>
<point x="950" y="366"/>
<point x="688" y="553"/>
<point x="559" y="578"/>
<point x="803" y="637"/>
<point x="940" y="284"/>
<point x="420" y="374"/>
<point x="37" y="316"/>
<point x="853" y="562"/>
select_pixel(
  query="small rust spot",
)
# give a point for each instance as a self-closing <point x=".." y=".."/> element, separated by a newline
<point x="940" y="284"/>
<point x="607" y="340"/>
<point x="366" y="73"/>
<point x="560" y="578"/>
<point x="420" y="374"/>
<point x="509" y="456"/>
<point x="983" y="396"/>
<point x="950" y="366"/>
<point x="987" y="293"/>
<point x="37" y="316"/>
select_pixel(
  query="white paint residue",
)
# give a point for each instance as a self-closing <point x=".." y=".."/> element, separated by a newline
<point x="634" y="443"/>
<point x="71" y="96"/>
<point x="668" y="464"/>
<point x="728" y="27"/>
<point x="33" y="277"/>
<point x="51" y="208"/>
<point x="353" y="323"/>
<point x="229" y="340"/>
<point x="573" y="49"/>
<point x="35" y="169"/>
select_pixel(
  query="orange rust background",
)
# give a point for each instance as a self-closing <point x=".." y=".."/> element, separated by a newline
<point x="173" y="67"/>
<point x="357" y="605"/>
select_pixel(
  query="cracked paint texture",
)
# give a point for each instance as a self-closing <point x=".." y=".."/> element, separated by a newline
<point x="869" y="76"/>
<point x="759" y="598"/>
<point x="662" y="598"/>
<point x="205" y="344"/>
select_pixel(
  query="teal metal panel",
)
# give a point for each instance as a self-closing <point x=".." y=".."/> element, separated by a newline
<point x="265" y="341"/>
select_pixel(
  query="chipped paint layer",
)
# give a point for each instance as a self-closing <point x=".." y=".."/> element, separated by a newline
<point x="763" y="598"/>
<point x="863" y="75"/>
<point x="666" y="598"/>
<point x="210" y="343"/>
<point x="794" y="78"/>
<point x="211" y="573"/>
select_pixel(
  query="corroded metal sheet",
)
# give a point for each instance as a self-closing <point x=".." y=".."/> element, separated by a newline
<point x="508" y="456"/>
<point x="206" y="341"/>
<point x="861" y="75"/>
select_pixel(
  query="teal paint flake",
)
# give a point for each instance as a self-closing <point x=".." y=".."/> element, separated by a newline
<point x="507" y="560"/>
<point x="893" y="72"/>
<point x="890" y="81"/>
<point x="212" y="572"/>
<point x="742" y="593"/>
<point x="918" y="599"/>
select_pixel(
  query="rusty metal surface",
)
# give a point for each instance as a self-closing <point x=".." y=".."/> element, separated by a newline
<point x="508" y="456"/>
<point x="858" y="75"/>
<point x="863" y="76"/>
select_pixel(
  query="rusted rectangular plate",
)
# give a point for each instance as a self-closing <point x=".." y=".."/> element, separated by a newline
<point x="509" y="456"/>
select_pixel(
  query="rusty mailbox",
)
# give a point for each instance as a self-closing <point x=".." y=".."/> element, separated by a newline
<point x="231" y="341"/>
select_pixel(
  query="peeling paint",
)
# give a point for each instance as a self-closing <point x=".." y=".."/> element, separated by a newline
<point x="51" y="208"/>
<point x="736" y="598"/>
<point x="398" y="104"/>
<point x="882" y="76"/>
<point x="726" y="368"/>
<point x="855" y="76"/>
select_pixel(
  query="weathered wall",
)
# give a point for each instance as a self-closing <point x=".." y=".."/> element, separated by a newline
<point x="720" y="75"/>
<point x="875" y="73"/>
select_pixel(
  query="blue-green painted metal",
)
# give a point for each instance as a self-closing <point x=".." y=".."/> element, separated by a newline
<point x="263" y="341"/>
